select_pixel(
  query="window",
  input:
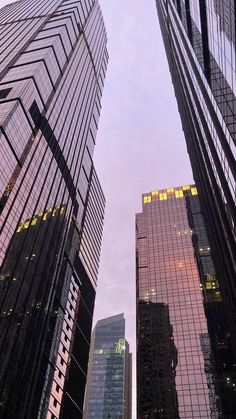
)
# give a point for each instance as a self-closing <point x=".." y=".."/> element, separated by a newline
<point x="163" y="196"/>
<point x="194" y="191"/>
<point x="4" y="93"/>
<point x="147" y="199"/>
<point x="179" y="193"/>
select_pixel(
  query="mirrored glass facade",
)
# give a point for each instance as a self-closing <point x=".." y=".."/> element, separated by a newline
<point x="185" y="364"/>
<point x="108" y="392"/>
<point x="199" y="37"/>
<point x="52" y="71"/>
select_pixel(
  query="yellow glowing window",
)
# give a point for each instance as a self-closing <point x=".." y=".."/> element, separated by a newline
<point x="179" y="194"/>
<point x="26" y="224"/>
<point x="155" y="193"/>
<point x="194" y="191"/>
<point x="186" y="188"/>
<point x="20" y="228"/>
<point x="163" y="196"/>
<point x="34" y="221"/>
<point x="170" y="190"/>
<point x="147" y="199"/>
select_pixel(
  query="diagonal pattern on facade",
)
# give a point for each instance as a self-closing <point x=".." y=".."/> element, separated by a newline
<point x="53" y="60"/>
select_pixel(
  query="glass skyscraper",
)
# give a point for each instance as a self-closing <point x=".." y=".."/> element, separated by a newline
<point x="199" y="37"/>
<point x="109" y="386"/>
<point x="185" y="364"/>
<point x="52" y="70"/>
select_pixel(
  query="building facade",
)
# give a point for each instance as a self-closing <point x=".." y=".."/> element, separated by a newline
<point x="52" y="71"/>
<point x="199" y="37"/>
<point x="109" y="386"/>
<point x="185" y="363"/>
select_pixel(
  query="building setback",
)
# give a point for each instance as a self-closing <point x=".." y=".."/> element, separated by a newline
<point x="185" y="364"/>
<point x="199" y="37"/>
<point x="109" y="386"/>
<point x="52" y="71"/>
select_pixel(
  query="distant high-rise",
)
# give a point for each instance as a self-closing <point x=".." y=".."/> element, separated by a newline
<point x="199" y="37"/>
<point x="52" y="71"/>
<point x="185" y="363"/>
<point x="109" y="386"/>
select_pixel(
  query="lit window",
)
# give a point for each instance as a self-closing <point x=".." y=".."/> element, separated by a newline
<point x="26" y="225"/>
<point x="147" y="199"/>
<point x="163" y="196"/>
<point x="186" y="188"/>
<point x="194" y="191"/>
<point x="179" y="194"/>
<point x="170" y="190"/>
<point x="34" y="221"/>
<point x="154" y="193"/>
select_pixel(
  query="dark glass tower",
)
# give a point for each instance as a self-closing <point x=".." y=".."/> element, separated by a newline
<point x="52" y="70"/>
<point x="199" y="37"/>
<point x="109" y="387"/>
<point x="185" y="365"/>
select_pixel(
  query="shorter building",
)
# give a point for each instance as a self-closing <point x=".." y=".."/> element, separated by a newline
<point x="186" y="366"/>
<point x="109" y="384"/>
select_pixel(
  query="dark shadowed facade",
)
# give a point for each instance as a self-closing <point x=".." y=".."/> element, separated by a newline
<point x="109" y="386"/>
<point x="199" y="37"/>
<point x="185" y="364"/>
<point x="52" y="71"/>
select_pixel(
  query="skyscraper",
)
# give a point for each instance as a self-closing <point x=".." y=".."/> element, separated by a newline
<point x="109" y="386"/>
<point x="52" y="71"/>
<point x="199" y="37"/>
<point x="185" y="363"/>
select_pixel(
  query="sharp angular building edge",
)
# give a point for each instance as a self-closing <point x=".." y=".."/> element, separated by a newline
<point x="199" y="38"/>
<point x="52" y="71"/>
<point x="109" y="384"/>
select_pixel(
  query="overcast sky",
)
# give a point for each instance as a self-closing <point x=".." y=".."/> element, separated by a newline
<point x="140" y="145"/>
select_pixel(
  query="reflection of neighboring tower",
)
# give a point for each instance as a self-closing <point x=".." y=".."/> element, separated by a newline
<point x="108" y="392"/>
<point x="30" y="301"/>
<point x="47" y="314"/>
<point x="210" y="373"/>
<point x="217" y="348"/>
<point x="225" y="13"/>
<point x="157" y="359"/>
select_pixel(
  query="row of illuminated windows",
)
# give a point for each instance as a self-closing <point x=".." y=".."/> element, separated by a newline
<point x="163" y="196"/>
